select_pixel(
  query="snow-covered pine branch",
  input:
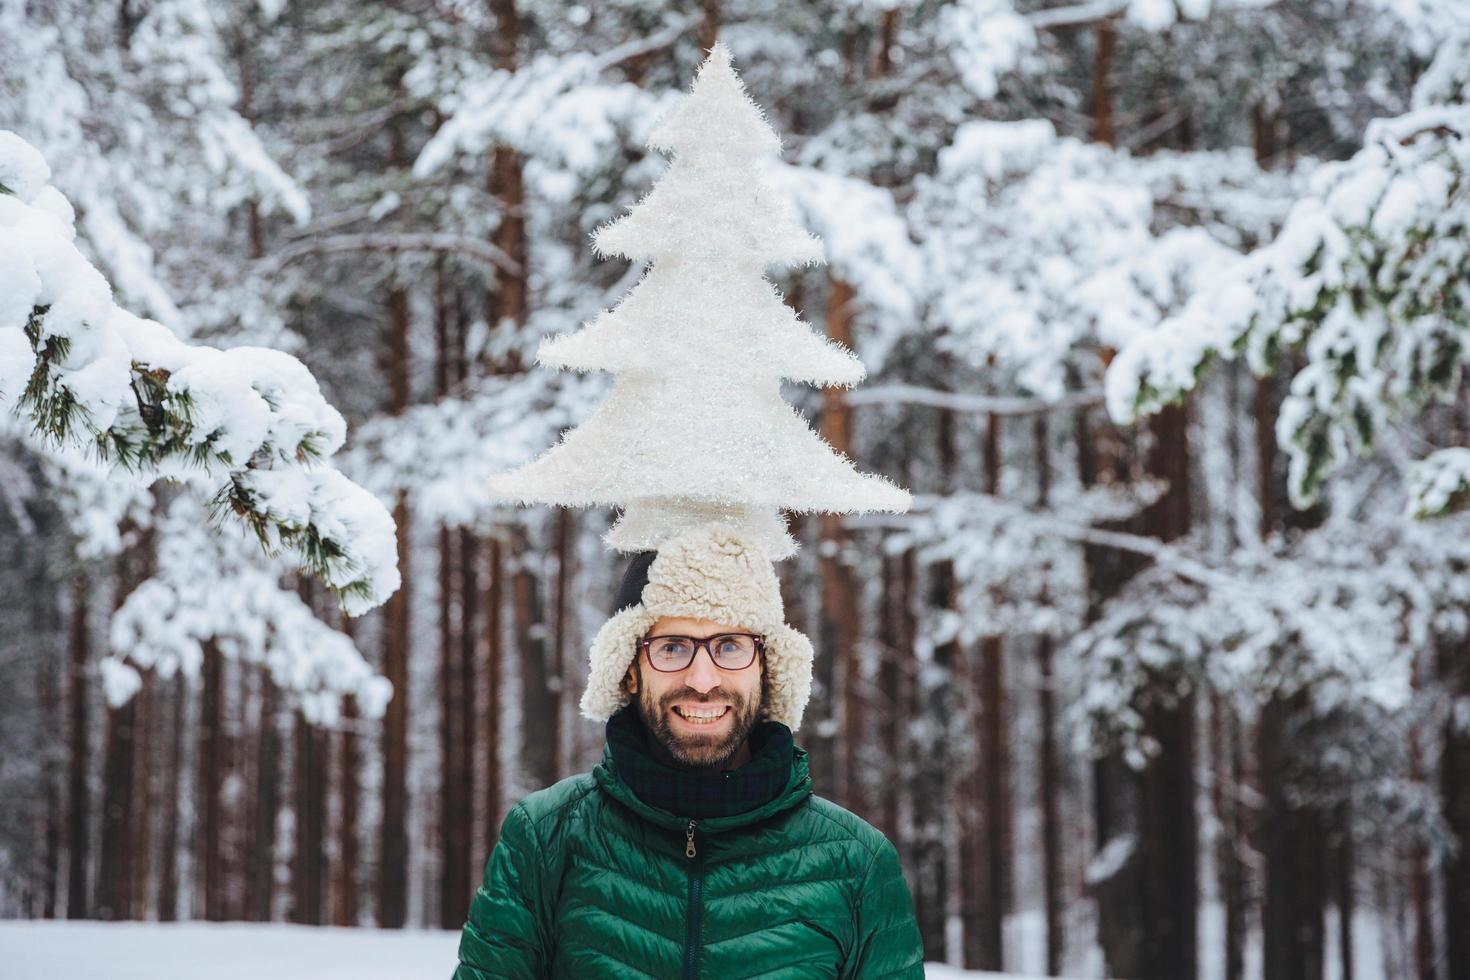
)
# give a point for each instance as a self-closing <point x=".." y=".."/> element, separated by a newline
<point x="1340" y="615"/>
<point x="1366" y="280"/>
<point x="988" y="38"/>
<point x="1041" y="249"/>
<point x="251" y="422"/>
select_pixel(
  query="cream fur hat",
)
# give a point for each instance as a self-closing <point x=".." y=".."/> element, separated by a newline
<point x="710" y="571"/>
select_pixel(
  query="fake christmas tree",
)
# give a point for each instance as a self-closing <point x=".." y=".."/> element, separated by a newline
<point x="695" y="428"/>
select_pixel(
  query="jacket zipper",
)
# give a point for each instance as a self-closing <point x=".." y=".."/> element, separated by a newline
<point x="691" y="929"/>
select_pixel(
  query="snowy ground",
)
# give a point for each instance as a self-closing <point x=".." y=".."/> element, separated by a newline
<point x="236" y="951"/>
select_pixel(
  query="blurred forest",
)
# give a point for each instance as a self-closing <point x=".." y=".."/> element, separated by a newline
<point x="1165" y="676"/>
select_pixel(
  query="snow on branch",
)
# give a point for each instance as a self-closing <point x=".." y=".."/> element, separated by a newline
<point x="1440" y="483"/>
<point x="963" y="401"/>
<point x="1340" y="615"/>
<point x="1046" y="251"/>
<point x="555" y="108"/>
<point x="988" y="38"/>
<point x="1366" y="280"/>
<point x="218" y="588"/>
<point x="464" y="246"/>
<point x="249" y="421"/>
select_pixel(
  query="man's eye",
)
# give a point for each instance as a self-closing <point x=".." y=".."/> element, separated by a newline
<point x="673" y="646"/>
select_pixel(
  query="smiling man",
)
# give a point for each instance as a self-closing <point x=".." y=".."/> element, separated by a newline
<point x="697" y="847"/>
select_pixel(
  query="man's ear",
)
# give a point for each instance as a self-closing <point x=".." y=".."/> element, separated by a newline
<point x="630" y="680"/>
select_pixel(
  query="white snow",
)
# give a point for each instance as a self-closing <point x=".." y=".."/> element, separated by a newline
<point x="1434" y="480"/>
<point x="23" y="171"/>
<point x="987" y="38"/>
<point x="36" y="950"/>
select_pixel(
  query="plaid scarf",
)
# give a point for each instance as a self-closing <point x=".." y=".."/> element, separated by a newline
<point x="694" y="793"/>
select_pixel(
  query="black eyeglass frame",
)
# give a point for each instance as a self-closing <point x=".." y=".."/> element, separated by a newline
<point x="700" y="641"/>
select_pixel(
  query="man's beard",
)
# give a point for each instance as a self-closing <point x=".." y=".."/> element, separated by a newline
<point x="696" y="751"/>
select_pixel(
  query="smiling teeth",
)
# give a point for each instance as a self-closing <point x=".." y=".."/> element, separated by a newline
<point x="691" y="716"/>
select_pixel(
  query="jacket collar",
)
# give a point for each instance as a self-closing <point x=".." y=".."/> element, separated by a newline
<point x="626" y="764"/>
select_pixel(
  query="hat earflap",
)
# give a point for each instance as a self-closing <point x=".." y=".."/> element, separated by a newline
<point x="612" y="653"/>
<point x="789" y="675"/>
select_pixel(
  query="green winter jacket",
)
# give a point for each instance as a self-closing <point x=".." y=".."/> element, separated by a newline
<point x="588" y="881"/>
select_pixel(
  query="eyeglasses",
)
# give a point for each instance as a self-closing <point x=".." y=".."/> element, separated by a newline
<point x="729" y="651"/>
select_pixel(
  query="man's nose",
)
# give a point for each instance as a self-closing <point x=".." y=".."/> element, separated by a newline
<point x="702" y="675"/>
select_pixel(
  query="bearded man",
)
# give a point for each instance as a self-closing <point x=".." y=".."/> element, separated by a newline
<point x="696" y="849"/>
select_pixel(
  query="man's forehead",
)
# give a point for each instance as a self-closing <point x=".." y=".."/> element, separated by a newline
<point x="692" y="627"/>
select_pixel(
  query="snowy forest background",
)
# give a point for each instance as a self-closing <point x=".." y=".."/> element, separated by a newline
<point x="1166" y="675"/>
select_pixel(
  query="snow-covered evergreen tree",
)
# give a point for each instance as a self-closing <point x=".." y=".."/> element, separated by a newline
<point x="1366" y="281"/>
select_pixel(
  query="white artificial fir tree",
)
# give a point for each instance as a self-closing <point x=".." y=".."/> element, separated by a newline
<point x="695" y="428"/>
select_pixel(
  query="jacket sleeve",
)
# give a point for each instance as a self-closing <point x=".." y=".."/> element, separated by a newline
<point x="887" y="942"/>
<point x="506" y="933"/>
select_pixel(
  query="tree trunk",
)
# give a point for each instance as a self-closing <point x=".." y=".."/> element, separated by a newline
<point x="494" y="657"/>
<point x="345" y="911"/>
<point x="1345" y="859"/>
<point x="1118" y="892"/>
<point x="54" y="818"/>
<point x="886" y="38"/>
<point x="1420" y="889"/>
<point x="540" y="685"/>
<point x="168" y="844"/>
<point x="564" y="530"/>
<point x="889" y="651"/>
<point x="211" y="776"/>
<point x="996" y="745"/>
<point x="1170" y="845"/>
<point x="507" y="303"/>
<point x="709" y="23"/>
<point x="393" y="855"/>
<point x="840" y="623"/>
<point x="1225" y="800"/>
<point x="261" y="879"/>
<point x="460" y="741"/>
<point x="935" y="701"/>
<point x="308" y="865"/>
<point x="984" y="792"/>
<point x="1171" y="833"/>
<point x="1454" y="775"/>
<point x="1103" y="130"/>
<point x="147" y="793"/>
<point x="79" y="807"/>
<point x="1294" y="853"/>
<point x="1051" y="830"/>
<point x="115" y="869"/>
<point x="453" y="793"/>
<point x="1293" y="931"/>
